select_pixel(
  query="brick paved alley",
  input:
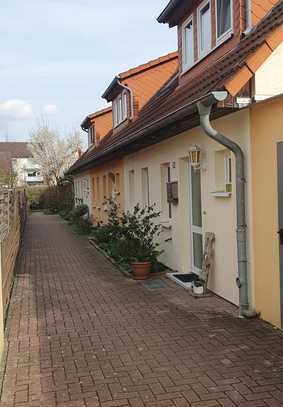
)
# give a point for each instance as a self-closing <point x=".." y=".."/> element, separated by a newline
<point x="81" y="334"/>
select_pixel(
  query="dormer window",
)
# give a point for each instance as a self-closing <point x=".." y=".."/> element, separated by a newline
<point x="91" y="136"/>
<point x="224" y="19"/>
<point x="120" y="108"/>
<point x="204" y="23"/>
<point x="207" y="28"/>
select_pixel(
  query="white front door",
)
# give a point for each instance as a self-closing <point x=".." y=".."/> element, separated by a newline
<point x="196" y="220"/>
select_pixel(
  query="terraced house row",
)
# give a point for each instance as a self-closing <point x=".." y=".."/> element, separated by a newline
<point x="199" y="132"/>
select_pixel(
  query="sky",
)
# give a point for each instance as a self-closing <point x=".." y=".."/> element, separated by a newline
<point x="58" y="56"/>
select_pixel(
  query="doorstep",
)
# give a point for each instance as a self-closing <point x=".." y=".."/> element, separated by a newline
<point x="185" y="280"/>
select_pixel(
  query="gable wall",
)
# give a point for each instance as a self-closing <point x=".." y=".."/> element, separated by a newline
<point x="145" y="84"/>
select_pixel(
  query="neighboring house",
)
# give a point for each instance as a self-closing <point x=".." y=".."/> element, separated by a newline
<point x="17" y="165"/>
<point x="97" y="125"/>
<point x="129" y="92"/>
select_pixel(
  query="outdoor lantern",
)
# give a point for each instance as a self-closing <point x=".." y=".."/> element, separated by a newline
<point x="195" y="156"/>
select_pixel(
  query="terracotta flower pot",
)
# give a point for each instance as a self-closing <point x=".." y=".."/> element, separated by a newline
<point x="141" y="270"/>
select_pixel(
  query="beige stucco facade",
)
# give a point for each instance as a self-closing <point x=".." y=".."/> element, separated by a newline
<point x="218" y="212"/>
<point x="266" y="132"/>
<point x="269" y="77"/>
<point x="106" y="183"/>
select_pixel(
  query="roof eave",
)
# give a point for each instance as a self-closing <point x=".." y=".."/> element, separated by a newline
<point x="158" y="125"/>
<point x="173" y="12"/>
<point x="85" y="124"/>
<point x="108" y="93"/>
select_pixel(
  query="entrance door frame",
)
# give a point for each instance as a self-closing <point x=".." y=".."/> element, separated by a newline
<point x="194" y="228"/>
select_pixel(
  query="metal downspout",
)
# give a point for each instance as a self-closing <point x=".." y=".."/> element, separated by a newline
<point x="204" y="108"/>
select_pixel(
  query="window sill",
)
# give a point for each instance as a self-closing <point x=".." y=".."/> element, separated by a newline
<point x="115" y="126"/>
<point x="221" y="194"/>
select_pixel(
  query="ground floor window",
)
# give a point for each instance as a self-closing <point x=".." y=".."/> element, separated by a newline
<point x="145" y="186"/>
<point x="132" y="188"/>
<point x="165" y="179"/>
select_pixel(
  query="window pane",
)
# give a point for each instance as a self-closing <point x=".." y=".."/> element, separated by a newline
<point x="132" y="188"/>
<point x="125" y="106"/>
<point x="198" y="250"/>
<point x="196" y="198"/>
<point x="224" y="22"/>
<point x="205" y="24"/>
<point x="189" y="45"/>
<point x="119" y="109"/>
<point x="145" y="186"/>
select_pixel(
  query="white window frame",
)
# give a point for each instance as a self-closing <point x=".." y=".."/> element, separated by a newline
<point x="223" y="37"/>
<point x="228" y="171"/>
<point x="202" y="53"/>
<point x="92" y="135"/>
<point x="166" y="177"/>
<point x="187" y="66"/>
<point x="120" y="108"/>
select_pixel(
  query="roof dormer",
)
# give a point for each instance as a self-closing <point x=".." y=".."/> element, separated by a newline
<point x="131" y="90"/>
<point x="203" y="26"/>
<point x="97" y="125"/>
<point x="121" y="97"/>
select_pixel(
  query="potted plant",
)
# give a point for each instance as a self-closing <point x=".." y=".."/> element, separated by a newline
<point x="140" y="233"/>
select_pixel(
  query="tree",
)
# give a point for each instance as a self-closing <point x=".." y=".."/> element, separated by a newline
<point x="53" y="153"/>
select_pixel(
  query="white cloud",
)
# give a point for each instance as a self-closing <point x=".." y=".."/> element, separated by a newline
<point x="15" y="109"/>
<point x="50" y="109"/>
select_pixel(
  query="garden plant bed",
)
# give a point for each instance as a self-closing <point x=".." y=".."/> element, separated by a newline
<point x="125" y="269"/>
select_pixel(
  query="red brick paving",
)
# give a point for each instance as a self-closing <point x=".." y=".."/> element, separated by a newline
<point x="82" y="335"/>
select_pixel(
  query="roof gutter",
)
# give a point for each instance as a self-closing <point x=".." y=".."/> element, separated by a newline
<point x="204" y="108"/>
<point x="170" y="118"/>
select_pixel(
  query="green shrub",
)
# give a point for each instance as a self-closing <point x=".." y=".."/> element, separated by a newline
<point x="82" y="226"/>
<point x="130" y="236"/>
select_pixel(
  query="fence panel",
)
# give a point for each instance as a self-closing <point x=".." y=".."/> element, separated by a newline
<point x="12" y="221"/>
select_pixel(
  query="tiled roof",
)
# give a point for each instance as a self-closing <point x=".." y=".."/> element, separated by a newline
<point x="148" y="65"/>
<point x="5" y="162"/>
<point x="100" y="112"/>
<point x="15" y="149"/>
<point x="87" y="121"/>
<point x="173" y="97"/>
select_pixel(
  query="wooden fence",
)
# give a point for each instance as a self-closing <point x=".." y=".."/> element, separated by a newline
<point x="12" y="221"/>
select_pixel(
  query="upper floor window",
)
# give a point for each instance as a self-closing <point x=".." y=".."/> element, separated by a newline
<point x="91" y="135"/>
<point x="188" y="43"/>
<point x="212" y="26"/>
<point x="204" y="25"/>
<point x="224" y="18"/>
<point x="120" y="108"/>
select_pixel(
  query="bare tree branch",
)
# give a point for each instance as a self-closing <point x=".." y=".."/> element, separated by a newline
<point x="53" y="153"/>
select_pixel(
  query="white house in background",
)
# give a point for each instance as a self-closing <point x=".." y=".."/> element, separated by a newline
<point x="28" y="172"/>
<point x="15" y="158"/>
